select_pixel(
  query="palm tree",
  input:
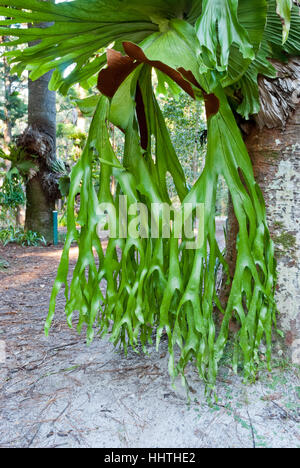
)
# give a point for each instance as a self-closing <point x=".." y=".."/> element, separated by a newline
<point x="215" y="51"/>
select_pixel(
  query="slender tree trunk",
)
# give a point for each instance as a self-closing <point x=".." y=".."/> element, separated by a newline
<point x="7" y="121"/>
<point x="7" y="131"/>
<point x="274" y="145"/>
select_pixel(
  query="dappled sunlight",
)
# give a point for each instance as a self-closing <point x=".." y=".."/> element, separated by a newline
<point x="52" y="253"/>
<point x="20" y="279"/>
<point x="31" y="267"/>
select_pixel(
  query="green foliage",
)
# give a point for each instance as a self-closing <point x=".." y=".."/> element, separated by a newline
<point x="12" y="105"/>
<point x="64" y="185"/>
<point x="59" y="167"/>
<point x="157" y="283"/>
<point x="16" y="107"/>
<point x="3" y="264"/>
<point x="167" y="295"/>
<point x="78" y="38"/>
<point x="21" y="237"/>
<point x="12" y="196"/>
<point x="71" y="134"/>
<point x="284" y="8"/>
<point x="271" y="46"/>
<point x="21" y="161"/>
<point x="88" y="105"/>
<point x="11" y="191"/>
<point x="185" y="120"/>
<point x="223" y="14"/>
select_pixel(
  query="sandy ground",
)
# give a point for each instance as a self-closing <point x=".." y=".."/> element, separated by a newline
<point x="56" y="392"/>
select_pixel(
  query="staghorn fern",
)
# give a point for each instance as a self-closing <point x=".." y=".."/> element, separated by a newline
<point x="212" y="49"/>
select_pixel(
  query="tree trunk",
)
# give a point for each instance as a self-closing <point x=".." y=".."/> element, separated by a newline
<point x="39" y="209"/>
<point x="41" y="133"/>
<point x="274" y="145"/>
<point x="40" y="140"/>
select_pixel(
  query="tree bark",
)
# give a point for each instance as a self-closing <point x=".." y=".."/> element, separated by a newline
<point x="41" y="134"/>
<point x="273" y="142"/>
<point x="40" y="140"/>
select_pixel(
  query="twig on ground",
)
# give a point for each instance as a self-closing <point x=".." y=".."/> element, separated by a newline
<point x="252" y="429"/>
<point x="287" y="414"/>
<point x="63" y="412"/>
<point x="34" y="436"/>
<point x="59" y="348"/>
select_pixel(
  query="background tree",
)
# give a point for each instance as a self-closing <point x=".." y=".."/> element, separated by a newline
<point x="274" y="146"/>
<point x="12" y="105"/>
<point x="12" y="110"/>
<point x="39" y="141"/>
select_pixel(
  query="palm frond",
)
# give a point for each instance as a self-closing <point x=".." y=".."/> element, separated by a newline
<point x="75" y="39"/>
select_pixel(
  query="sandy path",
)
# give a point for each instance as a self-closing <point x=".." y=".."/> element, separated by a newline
<point x="56" y="392"/>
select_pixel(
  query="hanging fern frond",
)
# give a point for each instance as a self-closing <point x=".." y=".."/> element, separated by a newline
<point x="284" y="8"/>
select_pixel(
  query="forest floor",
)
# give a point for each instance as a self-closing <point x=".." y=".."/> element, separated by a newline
<point x="56" y="392"/>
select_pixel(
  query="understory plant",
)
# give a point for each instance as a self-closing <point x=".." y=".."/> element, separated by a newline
<point x="3" y="264"/>
<point x="17" y="235"/>
<point x="214" y="50"/>
<point x="11" y="191"/>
